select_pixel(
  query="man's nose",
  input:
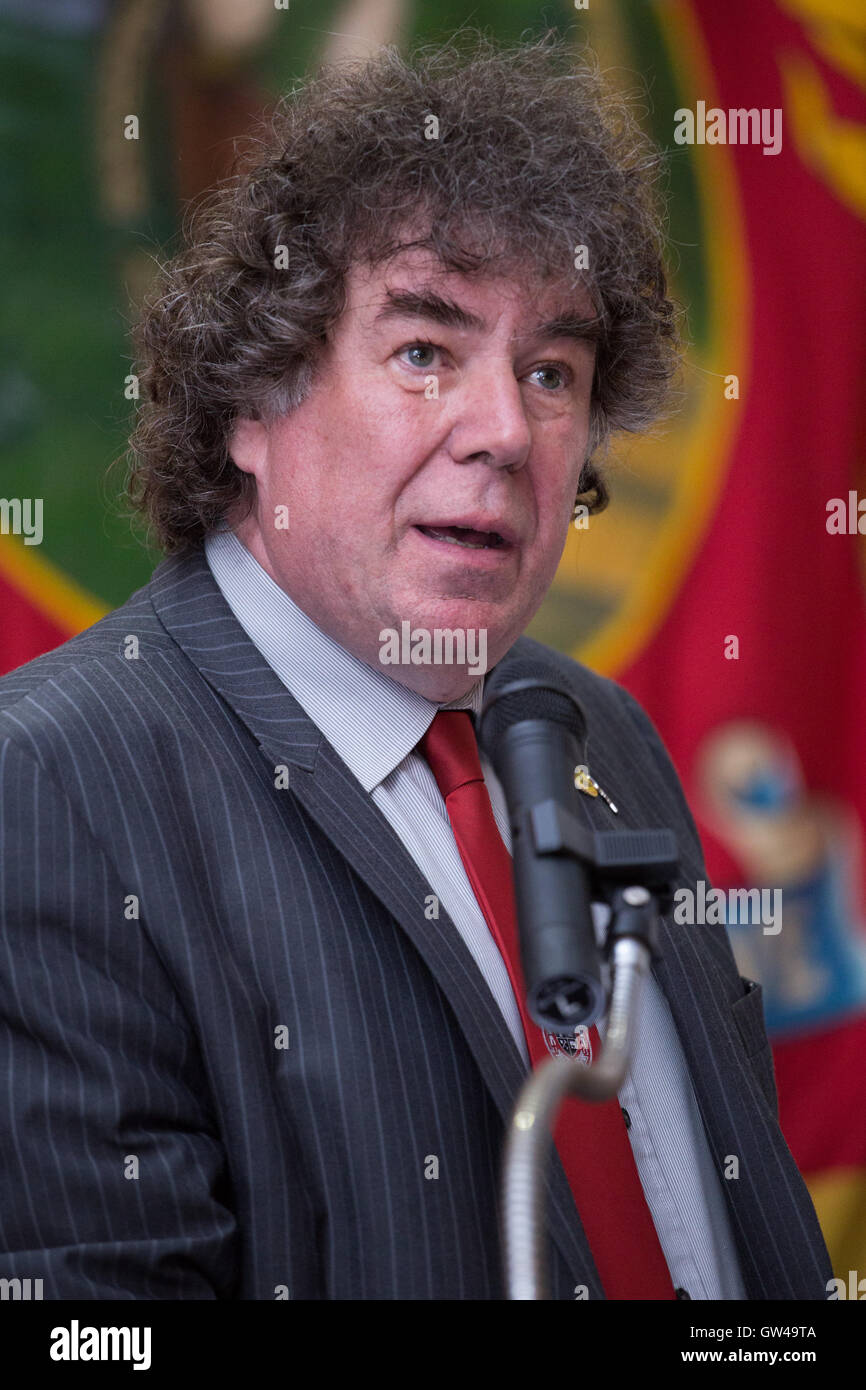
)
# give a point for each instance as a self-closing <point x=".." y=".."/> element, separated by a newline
<point x="491" y="421"/>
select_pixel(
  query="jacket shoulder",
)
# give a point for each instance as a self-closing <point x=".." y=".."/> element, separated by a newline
<point x="598" y="695"/>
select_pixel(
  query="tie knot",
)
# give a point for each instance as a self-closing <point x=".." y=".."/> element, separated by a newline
<point x="451" y="749"/>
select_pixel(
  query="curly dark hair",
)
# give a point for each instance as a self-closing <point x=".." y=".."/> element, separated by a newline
<point x="534" y="157"/>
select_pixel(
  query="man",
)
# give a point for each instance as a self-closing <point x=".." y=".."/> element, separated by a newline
<point x="263" y="1023"/>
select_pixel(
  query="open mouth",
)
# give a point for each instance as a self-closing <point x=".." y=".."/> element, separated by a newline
<point x="464" y="536"/>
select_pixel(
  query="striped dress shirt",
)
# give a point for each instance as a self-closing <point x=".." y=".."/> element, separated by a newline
<point x="374" y="724"/>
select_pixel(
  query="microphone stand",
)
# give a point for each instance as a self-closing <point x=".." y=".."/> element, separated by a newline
<point x="645" y="861"/>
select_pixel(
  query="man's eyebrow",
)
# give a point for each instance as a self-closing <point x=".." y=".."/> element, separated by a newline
<point x="427" y="304"/>
<point x="568" y="325"/>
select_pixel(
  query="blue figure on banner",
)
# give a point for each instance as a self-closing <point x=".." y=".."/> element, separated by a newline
<point x="812" y="963"/>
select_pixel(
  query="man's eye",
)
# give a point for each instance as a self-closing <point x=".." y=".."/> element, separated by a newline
<point x="421" y="354"/>
<point x="555" y="376"/>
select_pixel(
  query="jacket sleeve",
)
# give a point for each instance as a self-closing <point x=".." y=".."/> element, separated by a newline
<point x="112" y="1171"/>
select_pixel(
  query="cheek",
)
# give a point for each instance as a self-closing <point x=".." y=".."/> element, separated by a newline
<point x="558" y="491"/>
<point x="389" y="443"/>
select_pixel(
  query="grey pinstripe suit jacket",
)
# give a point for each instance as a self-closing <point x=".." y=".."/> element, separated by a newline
<point x="167" y="908"/>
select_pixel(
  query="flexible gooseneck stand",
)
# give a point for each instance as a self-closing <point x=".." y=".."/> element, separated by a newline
<point x="646" y="862"/>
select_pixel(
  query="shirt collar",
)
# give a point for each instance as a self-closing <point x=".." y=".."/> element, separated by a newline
<point x="370" y="720"/>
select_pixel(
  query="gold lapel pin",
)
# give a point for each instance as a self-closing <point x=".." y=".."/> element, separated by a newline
<point x="587" y="784"/>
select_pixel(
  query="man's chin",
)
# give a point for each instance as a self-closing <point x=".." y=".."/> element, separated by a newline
<point x="446" y="646"/>
<point x="496" y="613"/>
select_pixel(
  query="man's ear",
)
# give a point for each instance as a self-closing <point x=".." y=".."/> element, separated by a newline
<point x="248" y="446"/>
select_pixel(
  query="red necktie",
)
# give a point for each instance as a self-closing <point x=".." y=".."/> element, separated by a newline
<point x="590" y="1138"/>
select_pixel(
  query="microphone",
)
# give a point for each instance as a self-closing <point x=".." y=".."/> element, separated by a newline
<point x="533" y="730"/>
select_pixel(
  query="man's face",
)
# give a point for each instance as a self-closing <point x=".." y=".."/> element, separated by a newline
<point x="431" y="472"/>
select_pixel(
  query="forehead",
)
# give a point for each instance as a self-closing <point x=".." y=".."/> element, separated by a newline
<point x="514" y="301"/>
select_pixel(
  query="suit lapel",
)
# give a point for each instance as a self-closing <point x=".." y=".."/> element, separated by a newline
<point x="192" y="609"/>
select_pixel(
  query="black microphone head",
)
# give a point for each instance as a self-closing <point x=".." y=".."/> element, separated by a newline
<point x="527" y="689"/>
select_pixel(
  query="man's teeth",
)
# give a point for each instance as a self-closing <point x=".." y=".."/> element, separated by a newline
<point x="492" y="541"/>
